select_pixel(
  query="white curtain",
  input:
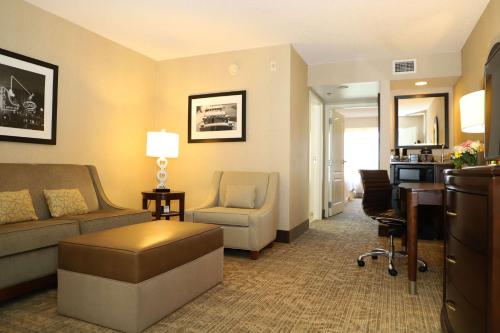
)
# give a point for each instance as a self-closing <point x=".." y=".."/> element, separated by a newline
<point x="360" y="152"/>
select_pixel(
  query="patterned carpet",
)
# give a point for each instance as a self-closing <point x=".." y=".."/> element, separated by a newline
<point x="311" y="285"/>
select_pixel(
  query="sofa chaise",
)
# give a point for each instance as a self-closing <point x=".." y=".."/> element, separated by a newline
<point x="28" y="250"/>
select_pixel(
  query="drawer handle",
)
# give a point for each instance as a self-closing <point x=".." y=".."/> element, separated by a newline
<point x="451" y="213"/>
<point x="451" y="305"/>
<point x="451" y="259"/>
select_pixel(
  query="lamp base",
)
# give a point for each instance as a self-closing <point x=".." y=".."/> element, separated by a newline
<point x="161" y="190"/>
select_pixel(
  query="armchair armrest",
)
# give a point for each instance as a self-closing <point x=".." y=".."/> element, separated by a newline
<point x="263" y="222"/>
<point x="210" y="201"/>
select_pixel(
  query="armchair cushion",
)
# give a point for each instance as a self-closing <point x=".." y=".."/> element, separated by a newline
<point x="223" y="216"/>
<point x="240" y="196"/>
<point x="258" y="179"/>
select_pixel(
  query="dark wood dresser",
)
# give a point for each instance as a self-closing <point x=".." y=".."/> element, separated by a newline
<point x="471" y="299"/>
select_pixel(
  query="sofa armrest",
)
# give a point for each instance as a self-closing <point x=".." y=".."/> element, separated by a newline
<point x="104" y="202"/>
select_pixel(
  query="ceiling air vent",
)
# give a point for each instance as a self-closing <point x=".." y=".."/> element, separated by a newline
<point x="407" y="66"/>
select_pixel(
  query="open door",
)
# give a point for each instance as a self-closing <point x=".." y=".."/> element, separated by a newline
<point x="335" y="164"/>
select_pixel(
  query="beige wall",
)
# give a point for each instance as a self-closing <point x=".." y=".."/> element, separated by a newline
<point x="105" y="100"/>
<point x="431" y="66"/>
<point x="474" y="55"/>
<point x="299" y="141"/>
<point x="267" y="147"/>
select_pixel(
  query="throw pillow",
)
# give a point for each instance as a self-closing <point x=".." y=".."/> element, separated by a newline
<point x="16" y="206"/>
<point x="65" y="202"/>
<point x="240" y="196"/>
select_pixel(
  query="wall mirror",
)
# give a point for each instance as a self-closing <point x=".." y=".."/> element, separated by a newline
<point x="421" y="121"/>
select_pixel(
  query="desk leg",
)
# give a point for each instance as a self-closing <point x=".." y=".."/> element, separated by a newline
<point x="412" y="236"/>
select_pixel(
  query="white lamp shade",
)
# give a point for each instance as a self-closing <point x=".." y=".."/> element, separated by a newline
<point x="162" y="144"/>
<point x="472" y="112"/>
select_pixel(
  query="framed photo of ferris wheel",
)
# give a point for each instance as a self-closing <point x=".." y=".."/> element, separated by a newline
<point x="28" y="99"/>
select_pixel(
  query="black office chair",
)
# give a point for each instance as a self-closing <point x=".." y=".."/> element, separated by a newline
<point x="376" y="203"/>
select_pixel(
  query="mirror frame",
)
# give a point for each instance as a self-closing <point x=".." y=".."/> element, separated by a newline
<point x="446" y="120"/>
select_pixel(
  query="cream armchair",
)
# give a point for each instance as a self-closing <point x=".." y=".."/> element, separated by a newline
<point x="244" y="227"/>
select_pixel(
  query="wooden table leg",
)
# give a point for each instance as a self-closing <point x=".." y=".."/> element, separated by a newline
<point x="158" y="208"/>
<point x="181" y="208"/>
<point x="412" y="236"/>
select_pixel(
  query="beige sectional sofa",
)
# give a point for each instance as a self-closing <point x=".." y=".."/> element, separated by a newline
<point x="28" y="250"/>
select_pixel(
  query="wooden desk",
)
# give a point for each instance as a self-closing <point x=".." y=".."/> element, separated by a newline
<point x="417" y="194"/>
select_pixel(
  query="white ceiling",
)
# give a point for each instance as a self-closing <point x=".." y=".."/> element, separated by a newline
<point x="322" y="31"/>
<point x="358" y="113"/>
<point x="435" y="82"/>
<point x="349" y="94"/>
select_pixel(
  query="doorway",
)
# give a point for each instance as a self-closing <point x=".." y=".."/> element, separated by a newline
<point x="350" y="140"/>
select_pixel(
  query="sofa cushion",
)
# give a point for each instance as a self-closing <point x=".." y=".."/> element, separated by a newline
<point x="240" y="196"/>
<point x="65" y="202"/>
<point x="109" y="218"/>
<point x="223" y="216"/>
<point x="16" y="207"/>
<point x="26" y="236"/>
<point x="38" y="177"/>
<point x="258" y="179"/>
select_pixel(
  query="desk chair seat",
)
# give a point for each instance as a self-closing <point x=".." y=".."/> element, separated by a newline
<point x="376" y="203"/>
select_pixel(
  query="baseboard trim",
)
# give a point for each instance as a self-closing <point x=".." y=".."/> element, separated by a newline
<point x="287" y="236"/>
<point x="28" y="287"/>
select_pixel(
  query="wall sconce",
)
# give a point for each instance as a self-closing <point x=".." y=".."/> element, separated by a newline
<point x="472" y="112"/>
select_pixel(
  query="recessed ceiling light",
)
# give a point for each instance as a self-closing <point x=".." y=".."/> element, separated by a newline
<point x="421" y="83"/>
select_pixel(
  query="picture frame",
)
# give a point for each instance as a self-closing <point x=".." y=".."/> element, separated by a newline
<point x="217" y="117"/>
<point x="28" y="99"/>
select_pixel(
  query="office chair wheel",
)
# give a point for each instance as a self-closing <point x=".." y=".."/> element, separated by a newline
<point x="393" y="272"/>
<point x="374" y="257"/>
<point x="361" y="263"/>
<point x="422" y="269"/>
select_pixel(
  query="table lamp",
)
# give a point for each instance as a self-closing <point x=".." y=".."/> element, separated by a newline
<point x="472" y="112"/>
<point x="162" y="145"/>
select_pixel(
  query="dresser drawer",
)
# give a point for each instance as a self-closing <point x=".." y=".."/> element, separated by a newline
<point x="466" y="269"/>
<point x="463" y="317"/>
<point x="466" y="216"/>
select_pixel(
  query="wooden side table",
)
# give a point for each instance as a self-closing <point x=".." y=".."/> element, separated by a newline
<point x="158" y="197"/>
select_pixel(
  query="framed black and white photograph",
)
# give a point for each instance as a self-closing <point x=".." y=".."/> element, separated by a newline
<point x="218" y="117"/>
<point x="28" y="99"/>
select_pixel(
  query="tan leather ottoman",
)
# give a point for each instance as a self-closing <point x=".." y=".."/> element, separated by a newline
<point x="128" y="278"/>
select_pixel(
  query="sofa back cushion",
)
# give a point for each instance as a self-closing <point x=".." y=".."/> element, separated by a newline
<point x="39" y="177"/>
<point x="258" y="179"/>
